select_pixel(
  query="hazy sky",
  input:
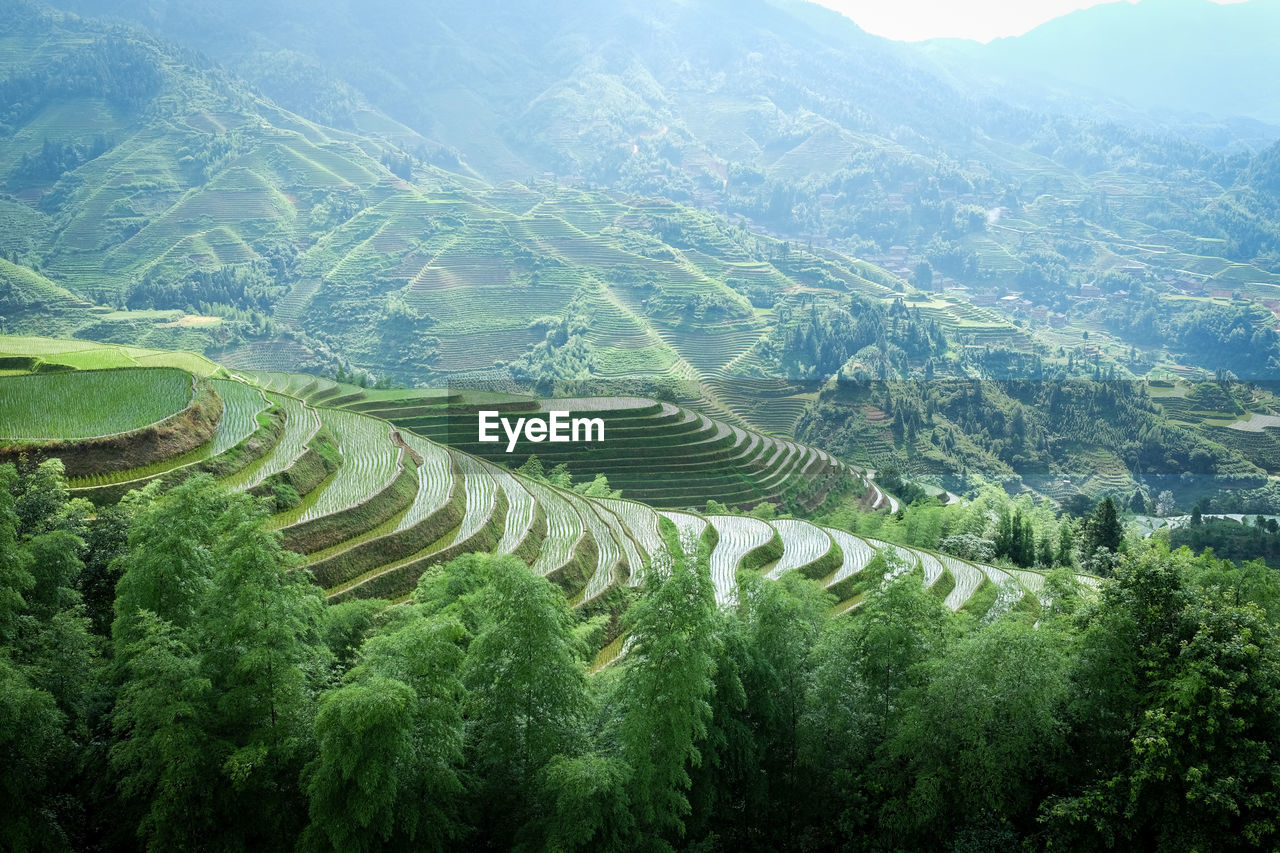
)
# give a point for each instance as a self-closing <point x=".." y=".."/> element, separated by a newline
<point x="912" y="20"/>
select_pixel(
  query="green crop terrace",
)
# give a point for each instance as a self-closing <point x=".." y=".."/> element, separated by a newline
<point x="365" y="491"/>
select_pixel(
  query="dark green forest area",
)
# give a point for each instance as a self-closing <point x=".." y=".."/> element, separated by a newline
<point x="170" y="679"/>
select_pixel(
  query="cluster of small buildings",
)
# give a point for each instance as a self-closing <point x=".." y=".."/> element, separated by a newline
<point x="1016" y="305"/>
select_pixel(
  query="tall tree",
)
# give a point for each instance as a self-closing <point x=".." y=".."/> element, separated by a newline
<point x="258" y="627"/>
<point x="33" y="752"/>
<point x="783" y="620"/>
<point x="215" y="603"/>
<point x="526" y="694"/>
<point x="389" y="744"/>
<point x="1179" y="685"/>
<point x="169" y="562"/>
<point x="863" y="666"/>
<point x="664" y="693"/>
<point x="166" y="757"/>
<point x="978" y="744"/>
<point x="16" y="579"/>
<point x="1104" y="528"/>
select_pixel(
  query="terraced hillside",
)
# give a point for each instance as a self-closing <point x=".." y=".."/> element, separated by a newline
<point x="373" y="504"/>
<point x="150" y="197"/>
<point x="655" y="452"/>
<point x="176" y="187"/>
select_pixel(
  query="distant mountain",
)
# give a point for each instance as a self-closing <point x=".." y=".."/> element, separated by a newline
<point x="509" y="90"/>
<point x="1182" y="57"/>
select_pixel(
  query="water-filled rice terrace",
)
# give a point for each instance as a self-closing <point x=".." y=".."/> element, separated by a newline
<point x="86" y="404"/>
<point x="379" y="501"/>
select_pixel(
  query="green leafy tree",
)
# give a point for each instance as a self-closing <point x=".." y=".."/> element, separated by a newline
<point x="979" y="742"/>
<point x="232" y="635"/>
<point x="1104" y="529"/>
<point x="559" y="476"/>
<point x="16" y="579"/>
<point x="863" y="671"/>
<point x="43" y="501"/>
<point x="166" y="756"/>
<point x="1174" y="717"/>
<point x="586" y="804"/>
<point x="727" y="782"/>
<point x="169" y="564"/>
<point x="664" y="694"/>
<point x="258" y="625"/>
<point x="34" y="750"/>
<point x="526" y="693"/>
<point x="783" y="620"/>
<point x="597" y="488"/>
<point x="456" y="589"/>
<point x="533" y="468"/>
<point x="347" y="624"/>
<point x="389" y="745"/>
<point x="1065" y="555"/>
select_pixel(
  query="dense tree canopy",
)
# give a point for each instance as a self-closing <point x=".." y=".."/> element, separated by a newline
<point x="225" y="706"/>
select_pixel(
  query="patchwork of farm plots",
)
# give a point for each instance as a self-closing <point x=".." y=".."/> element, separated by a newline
<point x="656" y="453"/>
<point x="435" y="480"/>
<point x="564" y="528"/>
<point x="802" y="544"/>
<point x="739" y="536"/>
<point x="241" y="405"/>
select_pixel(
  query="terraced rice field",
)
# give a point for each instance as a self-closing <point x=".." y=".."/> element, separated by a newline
<point x="642" y="523"/>
<point x="369" y="462"/>
<point x="630" y="551"/>
<point x="482" y="494"/>
<point x="609" y="550"/>
<point x="623" y="535"/>
<point x="656" y="453"/>
<point x="802" y="544"/>
<point x="1091" y="581"/>
<point x="857" y="553"/>
<point x="300" y="426"/>
<point x="564" y="528"/>
<point x="968" y="578"/>
<point x="90" y="355"/>
<point x="933" y="568"/>
<point x="241" y="405"/>
<point x="297" y="384"/>
<point x="435" y="479"/>
<point x="520" y="509"/>
<point x="689" y="528"/>
<point x="90" y="403"/>
<point x="1008" y="593"/>
<point x="1033" y="582"/>
<point x="738" y="536"/>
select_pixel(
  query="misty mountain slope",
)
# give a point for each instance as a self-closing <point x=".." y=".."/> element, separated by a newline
<point x="574" y="89"/>
<point x="145" y="166"/>
<point x="1175" y="58"/>
<point x="137" y="177"/>
<point x="753" y="108"/>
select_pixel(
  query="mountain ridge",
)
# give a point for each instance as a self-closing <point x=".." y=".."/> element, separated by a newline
<point x="1182" y="58"/>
